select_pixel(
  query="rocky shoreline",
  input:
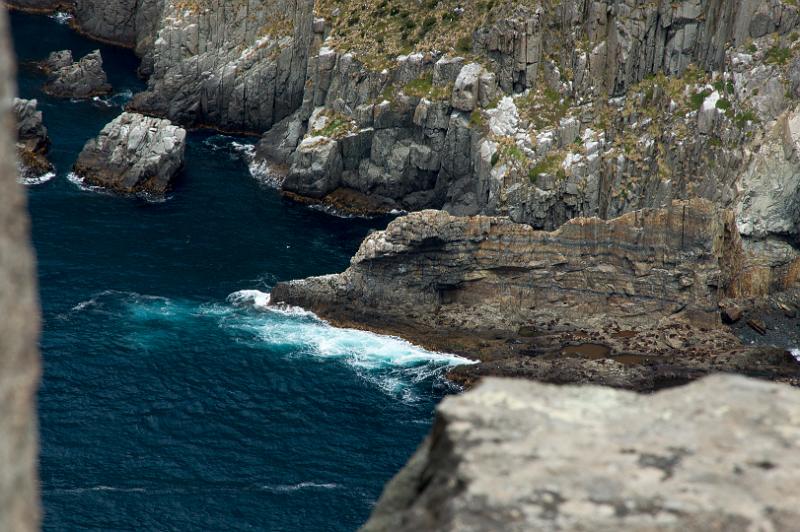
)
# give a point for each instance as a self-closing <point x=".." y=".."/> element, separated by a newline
<point x="634" y="182"/>
<point x="632" y="302"/>
<point x="598" y="192"/>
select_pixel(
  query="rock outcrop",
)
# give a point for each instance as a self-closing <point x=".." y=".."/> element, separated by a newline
<point x="237" y="65"/>
<point x="56" y="61"/>
<point x="134" y="154"/>
<point x="436" y="267"/>
<point x="630" y="302"/>
<point x="716" y="455"/>
<point x="19" y="328"/>
<point x="32" y="140"/>
<point x="80" y="80"/>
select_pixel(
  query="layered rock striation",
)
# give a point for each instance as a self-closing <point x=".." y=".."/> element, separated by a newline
<point x="436" y="266"/>
<point x="718" y="454"/>
<point x="631" y="302"/>
<point x="134" y="154"/>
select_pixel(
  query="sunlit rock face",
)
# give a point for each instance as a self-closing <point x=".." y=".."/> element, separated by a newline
<point x="718" y="454"/>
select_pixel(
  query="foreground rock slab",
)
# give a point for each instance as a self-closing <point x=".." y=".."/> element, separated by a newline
<point x="32" y="140"/>
<point x="720" y="454"/>
<point x="19" y="327"/>
<point x="134" y="154"/>
<point x="78" y="80"/>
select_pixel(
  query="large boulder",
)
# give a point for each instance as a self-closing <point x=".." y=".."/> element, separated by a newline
<point x="32" y="140"/>
<point x="79" y="80"/>
<point x="134" y="153"/>
<point x="721" y="454"/>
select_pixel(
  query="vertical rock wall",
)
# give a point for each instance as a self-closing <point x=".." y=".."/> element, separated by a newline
<point x="236" y="64"/>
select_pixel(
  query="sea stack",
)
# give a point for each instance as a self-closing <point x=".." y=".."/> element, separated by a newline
<point x="32" y="140"/>
<point x="134" y="154"/>
<point x="79" y="80"/>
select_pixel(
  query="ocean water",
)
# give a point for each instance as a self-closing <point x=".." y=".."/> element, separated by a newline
<point x="172" y="399"/>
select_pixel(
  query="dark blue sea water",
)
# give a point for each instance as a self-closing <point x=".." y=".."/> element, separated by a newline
<point x="172" y="400"/>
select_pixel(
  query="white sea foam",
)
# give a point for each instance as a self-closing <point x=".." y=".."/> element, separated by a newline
<point x="795" y="352"/>
<point x="288" y="488"/>
<point x="116" y="100"/>
<point x="254" y="298"/>
<point x="61" y="17"/>
<point x="96" y="488"/>
<point x="391" y="364"/>
<point x="388" y="362"/>
<point x="37" y="180"/>
<point x="79" y="182"/>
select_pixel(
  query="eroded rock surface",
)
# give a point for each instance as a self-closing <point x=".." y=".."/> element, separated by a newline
<point x="134" y="154"/>
<point x="439" y="267"/>
<point x="32" y="140"/>
<point x="81" y="80"/>
<point x="645" y="287"/>
<point x="720" y="454"/>
<point x="238" y="65"/>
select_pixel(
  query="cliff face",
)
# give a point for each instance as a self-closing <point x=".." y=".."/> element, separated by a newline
<point x="19" y="328"/>
<point x="628" y="105"/>
<point x="443" y="269"/>
<point x="237" y="65"/>
<point x="716" y="455"/>
<point x="131" y="23"/>
<point x="632" y="302"/>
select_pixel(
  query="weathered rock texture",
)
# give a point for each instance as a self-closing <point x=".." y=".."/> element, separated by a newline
<point x="32" y="140"/>
<point x="631" y="302"/>
<point x="80" y="80"/>
<point x="19" y="328"/>
<point x="238" y="65"/>
<point x="131" y="23"/>
<point x="717" y="455"/>
<point x="440" y="268"/>
<point x="134" y="153"/>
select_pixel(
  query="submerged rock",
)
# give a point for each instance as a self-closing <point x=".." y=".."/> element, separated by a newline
<point x="32" y="140"/>
<point x="79" y="80"/>
<point x="716" y="455"/>
<point x="134" y="153"/>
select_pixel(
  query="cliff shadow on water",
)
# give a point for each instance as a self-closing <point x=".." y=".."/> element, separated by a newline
<point x="172" y="399"/>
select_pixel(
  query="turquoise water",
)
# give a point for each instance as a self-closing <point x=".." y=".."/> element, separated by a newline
<point x="172" y="399"/>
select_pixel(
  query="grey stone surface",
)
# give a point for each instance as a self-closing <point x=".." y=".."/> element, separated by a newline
<point x="19" y="328"/>
<point x="32" y="140"/>
<point x="238" y="65"/>
<point x="720" y="454"/>
<point x="81" y="80"/>
<point x="57" y="60"/>
<point x="134" y="153"/>
<point x="316" y="168"/>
